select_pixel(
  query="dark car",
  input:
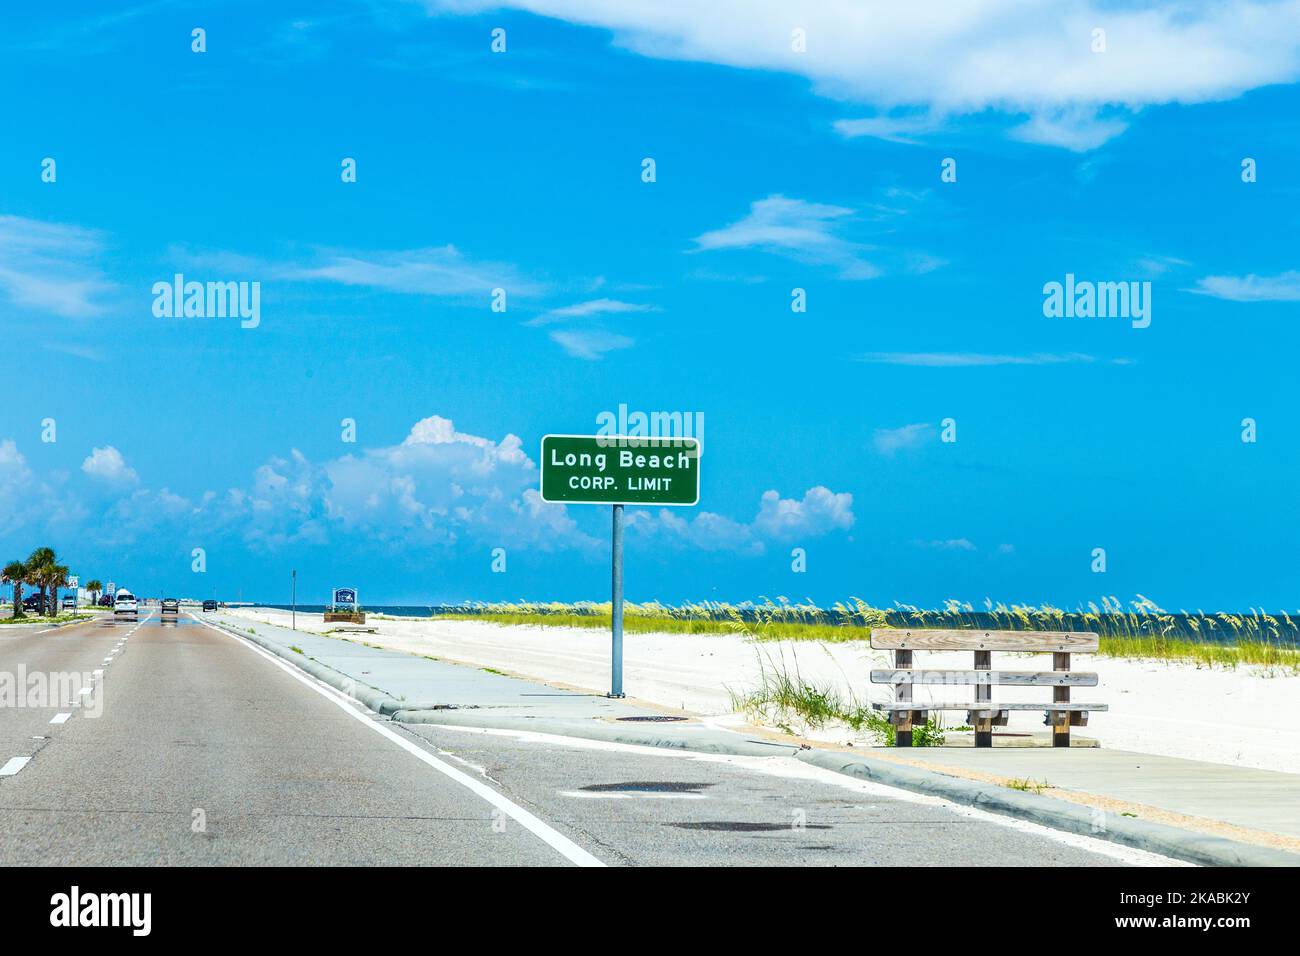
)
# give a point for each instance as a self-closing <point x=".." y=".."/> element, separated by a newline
<point x="34" y="602"/>
<point x="171" y="606"/>
<point x="106" y="600"/>
<point x="209" y="605"/>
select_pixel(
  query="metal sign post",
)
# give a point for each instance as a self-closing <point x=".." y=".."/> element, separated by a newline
<point x="616" y="608"/>
<point x="619" y="470"/>
<point x="294" y="600"/>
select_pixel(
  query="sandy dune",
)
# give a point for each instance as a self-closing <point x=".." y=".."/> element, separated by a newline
<point x="1243" y="717"/>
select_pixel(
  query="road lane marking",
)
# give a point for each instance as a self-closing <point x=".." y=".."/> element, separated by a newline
<point x="791" y="769"/>
<point x="552" y="838"/>
<point x="13" y="766"/>
<point x="60" y="718"/>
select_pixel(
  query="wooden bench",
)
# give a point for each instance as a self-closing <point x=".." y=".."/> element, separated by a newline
<point x="984" y="713"/>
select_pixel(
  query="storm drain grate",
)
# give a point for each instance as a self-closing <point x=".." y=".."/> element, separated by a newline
<point x="653" y="719"/>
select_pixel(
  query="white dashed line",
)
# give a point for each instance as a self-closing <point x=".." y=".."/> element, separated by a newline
<point x="60" y="718"/>
<point x="13" y="766"/>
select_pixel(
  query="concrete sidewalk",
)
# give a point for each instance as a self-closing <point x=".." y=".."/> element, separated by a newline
<point x="417" y="690"/>
<point x="1259" y="806"/>
<point x="1207" y="813"/>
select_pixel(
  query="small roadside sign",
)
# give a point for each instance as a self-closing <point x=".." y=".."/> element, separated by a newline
<point x="345" y="597"/>
<point x="74" y="582"/>
<point x="612" y="469"/>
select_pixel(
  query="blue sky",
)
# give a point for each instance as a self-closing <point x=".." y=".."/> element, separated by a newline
<point x="775" y="169"/>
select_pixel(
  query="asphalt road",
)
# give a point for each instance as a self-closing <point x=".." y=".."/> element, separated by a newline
<point x="193" y="747"/>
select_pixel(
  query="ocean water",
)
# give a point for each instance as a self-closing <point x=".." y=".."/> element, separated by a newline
<point x="1174" y="625"/>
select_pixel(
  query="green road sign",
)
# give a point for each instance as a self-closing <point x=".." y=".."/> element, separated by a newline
<point x="611" y="469"/>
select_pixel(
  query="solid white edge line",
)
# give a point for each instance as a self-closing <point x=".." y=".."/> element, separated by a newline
<point x="555" y="840"/>
<point x="1116" y="851"/>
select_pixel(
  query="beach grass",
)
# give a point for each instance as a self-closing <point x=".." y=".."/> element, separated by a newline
<point x="783" y="698"/>
<point x="41" y="619"/>
<point x="1140" y="629"/>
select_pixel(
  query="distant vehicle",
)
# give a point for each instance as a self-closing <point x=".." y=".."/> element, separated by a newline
<point x="69" y="603"/>
<point x="106" y="600"/>
<point x="34" y="602"/>
<point x="171" y="606"/>
<point x="209" y="605"/>
<point x="124" y="603"/>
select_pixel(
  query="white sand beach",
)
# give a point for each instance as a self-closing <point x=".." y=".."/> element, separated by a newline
<point x="1245" y="717"/>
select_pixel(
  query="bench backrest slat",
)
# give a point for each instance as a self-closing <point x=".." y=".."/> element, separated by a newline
<point x="1000" y="678"/>
<point x="925" y="639"/>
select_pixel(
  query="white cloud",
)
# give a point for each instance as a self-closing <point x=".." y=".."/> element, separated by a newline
<point x="439" y="489"/>
<point x="797" y="229"/>
<point x="437" y="271"/>
<point x="107" y="464"/>
<point x="1076" y="128"/>
<point x="1159" y="265"/>
<point x="948" y="544"/>
<point x="51" y="267"/>
<point x="436" y="489"/>
<point x="594" y="307"/>
<point x="820" y="512"/>
<point x="1028" y="59"/>
<point x="894" y="129"/>
<point x="21" y="498"/>
<point x="590" y="344"/>
<point x="974" y="359"/>
<point x="889" y="441"/>
<point x="1252" y="288"/>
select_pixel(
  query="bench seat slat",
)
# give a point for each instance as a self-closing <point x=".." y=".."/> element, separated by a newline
<point x="935" y="639"/>
<point x="980" y="678"/>
<point x="988" y="705"/>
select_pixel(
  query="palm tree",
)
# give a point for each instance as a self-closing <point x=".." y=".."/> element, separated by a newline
<point x="56" y="576"/>
<point x="38" y="564"/>
<point x="15" y="573"/>
<point x="95" y="586"/>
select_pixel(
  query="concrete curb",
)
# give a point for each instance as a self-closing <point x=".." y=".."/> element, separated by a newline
<point x="372" y="697"/>
<point x="693" y="737"/>
<point x="29" y="627"/>
<point x="1159" y="838"/>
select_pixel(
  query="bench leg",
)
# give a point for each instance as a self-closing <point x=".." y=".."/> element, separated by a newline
<point x="1061" y="729"/>
<point x="1061" y="723"/>
<point x="903" y="729"/>
<point x="903" y="724"/>
<point x="983" y="694"/>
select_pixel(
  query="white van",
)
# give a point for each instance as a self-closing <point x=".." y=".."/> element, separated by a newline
<point x="124" y="603"/>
